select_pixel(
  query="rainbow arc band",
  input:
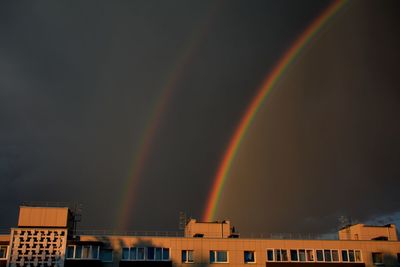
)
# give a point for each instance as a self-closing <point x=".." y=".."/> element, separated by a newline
<point x="269" y="82"/>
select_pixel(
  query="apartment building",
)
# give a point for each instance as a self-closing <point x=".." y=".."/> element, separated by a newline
<point x="45" y="236"/>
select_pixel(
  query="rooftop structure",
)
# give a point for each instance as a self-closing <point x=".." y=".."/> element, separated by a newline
<point x="45" y="236"/>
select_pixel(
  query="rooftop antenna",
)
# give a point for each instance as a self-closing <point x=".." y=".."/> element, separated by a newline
<point x="182" y="220"/>
<point x="76" y="217"/>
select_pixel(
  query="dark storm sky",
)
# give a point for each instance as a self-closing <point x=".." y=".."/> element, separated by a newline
<point x="79" y="82"/>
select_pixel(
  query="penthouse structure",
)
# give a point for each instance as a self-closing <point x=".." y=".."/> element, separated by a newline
<point x="45" y="236"/>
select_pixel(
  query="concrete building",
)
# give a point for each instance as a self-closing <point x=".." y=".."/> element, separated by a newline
<point x="45" y="236"/>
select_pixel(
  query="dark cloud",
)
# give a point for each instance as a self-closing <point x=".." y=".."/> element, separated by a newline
<point x="79" y="82"/>
<point x="325" y="143"/>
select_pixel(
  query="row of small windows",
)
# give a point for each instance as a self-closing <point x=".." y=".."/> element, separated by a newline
<point x="145" y="254"/>
<point x="89" y="252"/>
<point x="307" y="255"/>
<point x="216" y="256"/>
<point x="95" y="252"/>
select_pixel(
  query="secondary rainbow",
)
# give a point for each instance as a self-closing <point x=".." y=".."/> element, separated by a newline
<point x="143" y="152"/>
<point x="269" y="82"/>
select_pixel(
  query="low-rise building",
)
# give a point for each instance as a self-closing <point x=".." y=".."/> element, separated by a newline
<point x="45" y="236"/>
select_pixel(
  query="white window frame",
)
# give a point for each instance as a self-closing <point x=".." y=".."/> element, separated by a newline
<point x="186" y="251"/>
<point x="348" y="255"/>
<point x="338" y="254"/>
<point x="90" y="252"/>
<point x="316" y="256"/>
<point x="254" y="256"/>
<point x="6" y="254"/>
<point x="312" y="253"/>
<point x="145" y="256"/>
<point x="216" y="258"/>
<point x="266" y="255"/>
<point x="281" y="255"/>
<point x="330" y="255"/>
<point x="290" y="255"/>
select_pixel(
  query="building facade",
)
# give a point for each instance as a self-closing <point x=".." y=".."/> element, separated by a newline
<point x="45" y="236"/>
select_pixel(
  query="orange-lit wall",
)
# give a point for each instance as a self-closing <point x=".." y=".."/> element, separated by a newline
<point x="43" y="217"/>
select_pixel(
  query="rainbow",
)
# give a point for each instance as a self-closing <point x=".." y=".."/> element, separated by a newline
<point x="153" y="122"/>
<point x="269" y="82"/>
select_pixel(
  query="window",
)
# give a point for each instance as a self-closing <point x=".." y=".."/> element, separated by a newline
<point x="302" y="254"/>
<point x="351" y="256"/>
<point x="152" y="254"/>
<point x="335" y="255"/>
<point x="187" y="256"/>
<point x="345" y="256"/>
<point x="140" y="254"/>
<point x="357" y="253"/>
<point x="125" y="254"/>
<point x="327" y="255"/>
<point x="320" y="255"/>
<point x="377" y="258"/>
<point x="270" y="255"/>
<point x="218" y="256"/>
<point x="284" y="255"/>
<point x="310" y="255"/>
<point x="3" y="252"/>
<point x="133" y="253"/>
<point x="278" y="255"/>
<point x="281" y="255"/>
<point x="165" y="254"/>
<point x="293" y="255"/>
<point x="70" y="252"/>
<point x="249" y="257"/>
<point x="398" y="257"/>
<point x="106" y="255"/>
<point x="78" y="252"/>
<point x="86" y="252"/>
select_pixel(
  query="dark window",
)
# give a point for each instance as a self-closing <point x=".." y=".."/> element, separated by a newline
<point x="212" y="256"/>
<point x="320" y="255"/>
<point x="293" y="255"/>
<point x="335" y="255"/>
<point x="327" y="254"/>
<point x="345" y="256"/>
<point x="222" y="256"/>
<point x="165" y="254"/>
<point x="218" y="256"/>
<point x="106" y="255"/>
<point x="351" y="256"/>
<point x="125" y="253"/>
<point x="150" y="253"/>
<point x="140" y="253"/>
<point x="277" y="254"/>
<point x="94" y="252"/>
<point x="377" y="257"/>
<point x="133" y="253"/>
<point x="78" y="252"/>
<point x="187" y="256"/>
<point x="70" y="252"/>
<point x="158" y="254"/>
<point x="249" y="256"/>
<point x="284" y="255"/>
<point x="270" y="255"/>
